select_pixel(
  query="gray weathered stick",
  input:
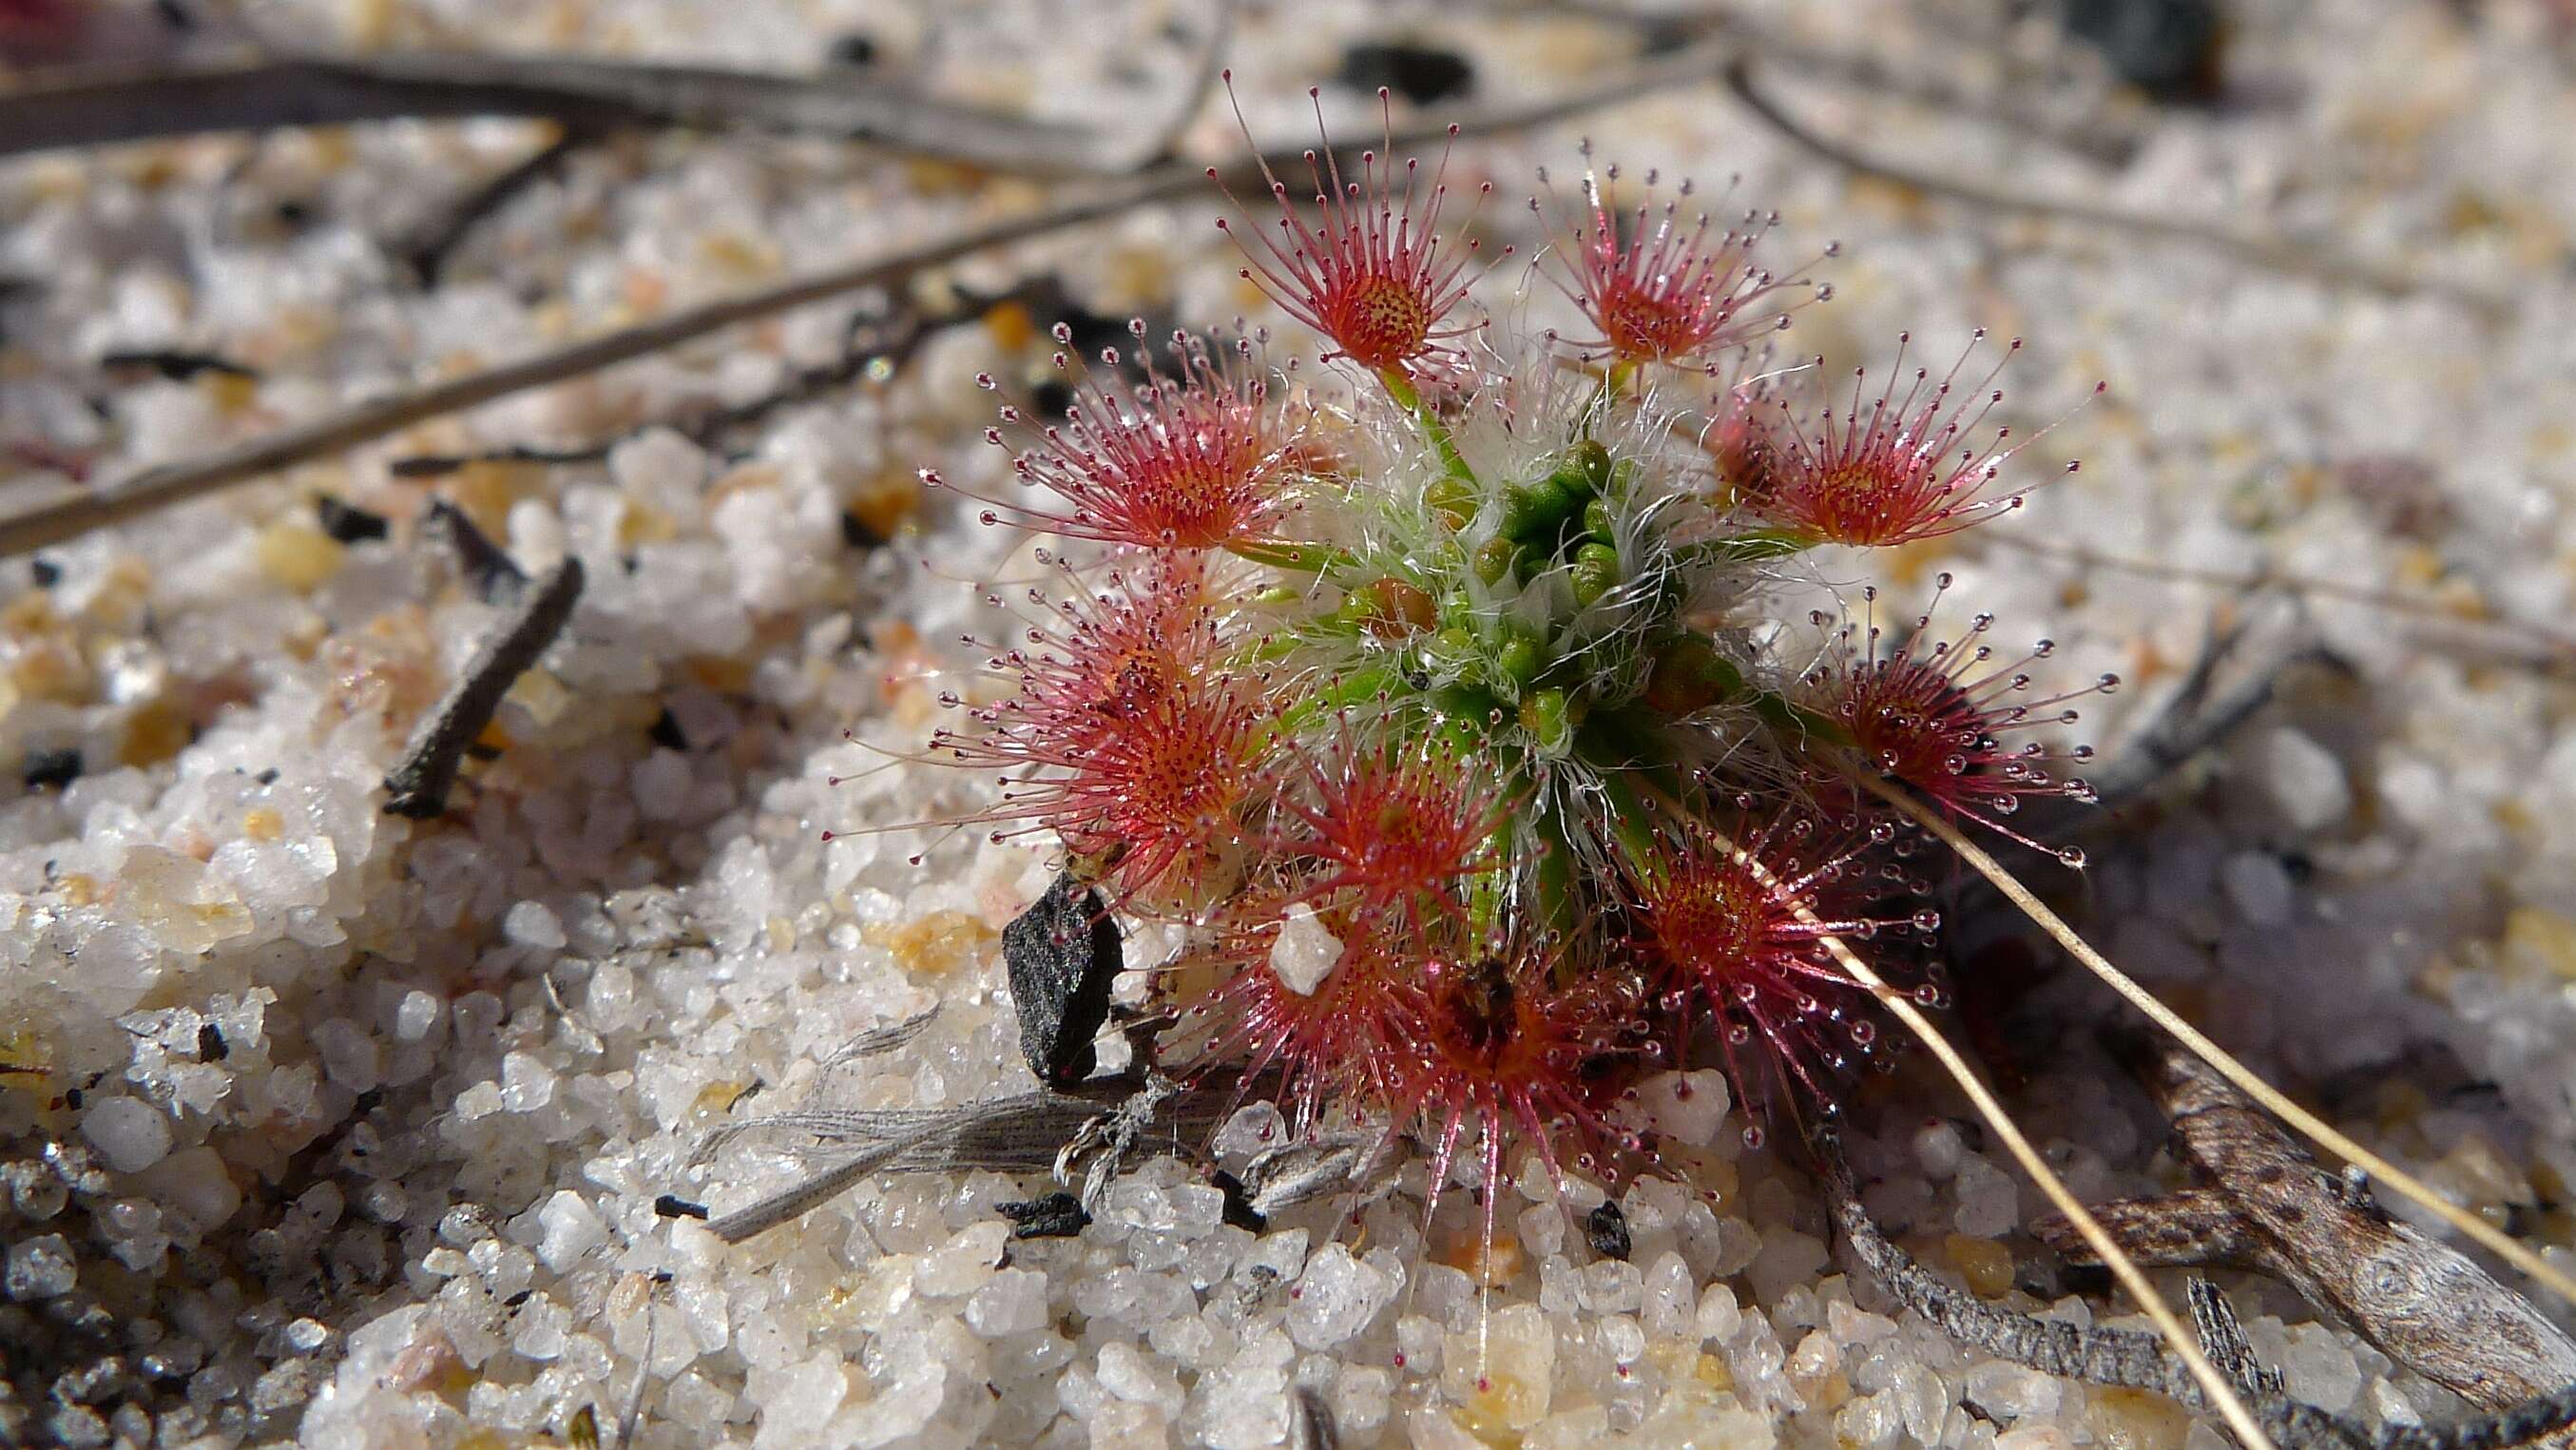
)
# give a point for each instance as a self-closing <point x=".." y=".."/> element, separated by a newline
<point x="581" y="92"/>
<point x="160" y="486"/>
<point x="2425" y="1305"/>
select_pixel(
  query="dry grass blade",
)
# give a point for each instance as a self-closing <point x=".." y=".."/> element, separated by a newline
<point x="158" y="487"/>
<point x="2246" y="1080"/>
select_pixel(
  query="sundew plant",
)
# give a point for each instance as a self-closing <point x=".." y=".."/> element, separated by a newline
<point x="1467" y="697"/>
<point x="1475" y="704"/>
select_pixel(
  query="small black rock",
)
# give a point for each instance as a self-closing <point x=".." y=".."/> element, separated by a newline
<point x="1608" y="1228"/>
<point x="1419" y="73"/>
<point x="856" y="533"/>
<point x="46" y="572"/>
<point x="672" y="1205"/>
<point x="2166" y="48"/>
<point x="1051" y="398"/>
<point x="211" y="1046"/>
<point x="1238" y="1209"/>
<point x="1062" y="954"/>
<point x="348" y="523"/>
<point x="666" y="732"/>
<point x="857" y="50"/>
<point x="52" y="767"/>
<point x="1059" y="1215"/>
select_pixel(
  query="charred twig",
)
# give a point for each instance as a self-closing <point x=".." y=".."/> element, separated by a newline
<point x="2269" y="1208"/>
<point x="158" y="487"/>
<point x="418" y="786"/>
<point x="2270" y="253"/>
<point x="2222" y="1338"/>
<point x="496" y="578"/>
<point x="177" y="365"/>
<point x="2129" y="1360"/>
<point x="889" y="345"/>
<point x="426" y="244"/>
<point x="578" y="91"/>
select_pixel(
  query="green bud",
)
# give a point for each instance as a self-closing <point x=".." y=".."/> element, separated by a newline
<point x="1595" y="572"/>
<point x="1451" y="499"/>
<point x="1494" y="559"/>
<point x="1573" y="490"/>
<point x="1549" y="716"/>
<point x="1592" y="461"/>
<point x="1529" y="511"/>
<point x="1452" y="649"/>
<point x="1596" y="519"/>
<point x="1521" y="657"/>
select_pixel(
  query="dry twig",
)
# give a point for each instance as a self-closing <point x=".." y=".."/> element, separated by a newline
<point x="2266" y="1206"/>
<point x="158" y="487"/>
<point x="538" y="609"/>
<point x="2270" y="253"/>
<point x="2132" y="1360"/>
<point x="580" y="92"/>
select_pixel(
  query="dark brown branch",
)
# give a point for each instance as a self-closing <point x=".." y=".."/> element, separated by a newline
<point x="426" y="244"/>
<point x="580" y="92"/>
<point x="418" y="786"/>
<point x="2270" y="253"/>
<point x="2425" y="1305"/>
<point x="158" y="487"/>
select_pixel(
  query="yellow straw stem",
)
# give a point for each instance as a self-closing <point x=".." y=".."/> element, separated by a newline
<point x="2317" y="1129"/>
<point x="2221" y="1394"/>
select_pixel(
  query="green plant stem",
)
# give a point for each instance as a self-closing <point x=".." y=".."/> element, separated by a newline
<point x="1302" y="558"/>
<point x="1409" y="398"/>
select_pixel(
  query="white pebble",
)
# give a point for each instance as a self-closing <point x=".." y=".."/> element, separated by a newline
<point x="39" y="1268"/>
<point x="531" y="924"/>
<point x="1989" y="1205"/>
<point x="527" y="1084"/>
<point x="2305" y="781"/>
<point x="129" y="1133"/>
<point x="2258" y="886"/>
<point x="571" y="1229"/>
<point x="1337" y="1298"/>
<point x="1305" y="951"/>
<point x="963" y="1264"/>
<point x="1013" y="1301"/>
<point x="417" y="1014"/>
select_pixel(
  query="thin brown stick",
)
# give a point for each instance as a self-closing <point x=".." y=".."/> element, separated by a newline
<point x="580" y="92"/>
<point x="158" y="487"/>
<point x="2270" y="253"/>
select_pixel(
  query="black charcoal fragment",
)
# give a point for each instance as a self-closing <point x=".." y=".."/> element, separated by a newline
<point x="1059" y="1215"/>
<point x="1063" y="954"/>
<point x="1421" y="74"/>
<point x="52" y="767"/>
<point x="2166" y="48"/>
<point x="1608" y="1229"/>
<point x="348" y="523"/>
